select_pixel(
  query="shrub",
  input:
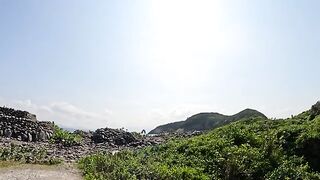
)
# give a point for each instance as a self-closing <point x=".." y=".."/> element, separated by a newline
<point x="24" y="154"/>
<point x="64" y="137"/>
<point x="249" y="149"/>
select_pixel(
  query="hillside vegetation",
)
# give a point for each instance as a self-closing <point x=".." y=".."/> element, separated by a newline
<point x="205" y="121"/>
<point x="252" y="148"/>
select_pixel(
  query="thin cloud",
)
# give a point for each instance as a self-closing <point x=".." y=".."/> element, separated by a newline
<point x="63" y="113"/>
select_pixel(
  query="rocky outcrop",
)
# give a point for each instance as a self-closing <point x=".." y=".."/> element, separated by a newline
<point x="315" y="110"/>
<point x="113" y="136"/>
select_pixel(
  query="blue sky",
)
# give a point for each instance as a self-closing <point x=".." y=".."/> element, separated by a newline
<point x="137" y="64"/>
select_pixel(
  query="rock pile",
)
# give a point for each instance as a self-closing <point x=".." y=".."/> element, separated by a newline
<point x="23" y="126"/>
<point x="113" y="136"/>
<point x="22" y="129"/>
<point x="4" y="111"/>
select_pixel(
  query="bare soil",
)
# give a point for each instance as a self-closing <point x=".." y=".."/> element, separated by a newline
<point x="40" y="172"/>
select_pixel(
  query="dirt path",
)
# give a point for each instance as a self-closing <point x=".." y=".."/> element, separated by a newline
<point x="40" y="172"/>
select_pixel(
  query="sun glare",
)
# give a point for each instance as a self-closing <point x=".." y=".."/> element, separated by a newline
<point x="186" y="38"/>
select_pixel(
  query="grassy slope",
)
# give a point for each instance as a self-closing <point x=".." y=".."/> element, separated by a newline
<point x="205" y="121"/>
<point x="249" y="149"/>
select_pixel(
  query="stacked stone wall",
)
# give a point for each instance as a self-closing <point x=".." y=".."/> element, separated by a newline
<point x="25" y="129"/>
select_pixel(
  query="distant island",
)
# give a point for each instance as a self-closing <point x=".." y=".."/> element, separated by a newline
<point x="205" y="121"/>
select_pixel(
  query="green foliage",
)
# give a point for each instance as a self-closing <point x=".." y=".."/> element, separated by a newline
<point x="294" y="168"/>
<point x="64" y="137"/>
<point x="24" y="154"/>
<point x="137" y="135"/>
<point x="254" y="148"/>
<point x="205" y="121"/>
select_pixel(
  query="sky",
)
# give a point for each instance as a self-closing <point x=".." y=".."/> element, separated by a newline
<point x="138" y="64"/>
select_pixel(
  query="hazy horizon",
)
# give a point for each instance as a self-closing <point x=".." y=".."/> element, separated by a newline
<point x="139" y="63"/>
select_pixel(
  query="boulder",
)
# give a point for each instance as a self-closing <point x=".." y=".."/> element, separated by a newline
<point x="34" y="137"/>
<point x="42" y="136"/>
<point x="25" y="137"/>
<point x="29" y="137"/>
<point x="7" y="133"/>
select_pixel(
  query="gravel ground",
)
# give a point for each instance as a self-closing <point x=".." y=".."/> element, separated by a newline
<point x="40" y="172"/>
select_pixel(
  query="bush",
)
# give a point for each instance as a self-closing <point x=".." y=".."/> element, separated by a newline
<point x="249" y="149"/>
<point x="24" y="154"/>
<point x="64" y="137"/>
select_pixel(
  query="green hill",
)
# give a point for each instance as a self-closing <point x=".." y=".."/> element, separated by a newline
<point x="255" y="148"/>
<point x="205" y="121"/>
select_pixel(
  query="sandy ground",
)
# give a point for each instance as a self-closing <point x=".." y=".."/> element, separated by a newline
<point x="36" y="172"/>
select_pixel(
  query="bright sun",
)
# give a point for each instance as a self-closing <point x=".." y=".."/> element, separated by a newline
<point x="186" y="38"/>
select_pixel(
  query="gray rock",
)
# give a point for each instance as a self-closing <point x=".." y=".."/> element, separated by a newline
<point x="112" y="136"/>
<point x="42" y="135"/>
<point x="24" y="137"/>
<point x="29" y="137"/>
<point x="48" y="135"/>
<point x="35" y="137"/>
<point x="7" y="133"/>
